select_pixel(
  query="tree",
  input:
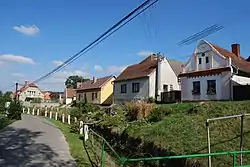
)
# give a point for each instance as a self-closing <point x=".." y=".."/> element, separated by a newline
<point x="1" y="93"/>
<point x="71" y="81"/>
<point x="7" y="94"/>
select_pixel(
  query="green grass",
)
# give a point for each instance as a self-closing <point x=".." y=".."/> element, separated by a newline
<point x="183" y="130"/>
<point x="77" y="149"/>
<point x="4" y="122"/>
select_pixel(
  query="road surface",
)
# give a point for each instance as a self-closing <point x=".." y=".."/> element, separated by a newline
<point x="34" y="142"/>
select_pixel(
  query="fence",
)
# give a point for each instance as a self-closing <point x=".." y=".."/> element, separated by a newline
<point x="107" y="151"/>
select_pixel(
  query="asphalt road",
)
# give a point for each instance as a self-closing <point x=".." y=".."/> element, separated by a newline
<point x="34" y="142"/>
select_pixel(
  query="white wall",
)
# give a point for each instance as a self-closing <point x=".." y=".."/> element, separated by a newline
<point x="37" y="94"/>
<point x="152" y="83"/>
<point x="222" y="87"/>
<point x="129" y="95"/>
<point x="68" y="100"/>
<point x="215" y="60"/>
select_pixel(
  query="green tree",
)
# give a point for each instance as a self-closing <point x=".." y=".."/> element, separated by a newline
<point x="1" y="93"/>
<point x="7" y="94"/>
<point x="71" y="81"/>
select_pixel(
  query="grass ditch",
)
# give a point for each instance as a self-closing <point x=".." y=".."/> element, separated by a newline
<point x="86" y="154"/>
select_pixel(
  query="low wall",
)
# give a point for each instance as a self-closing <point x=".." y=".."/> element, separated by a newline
<point x="40" y="105"/>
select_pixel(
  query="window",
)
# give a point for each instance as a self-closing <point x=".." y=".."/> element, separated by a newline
<point x="171" y="87"/>
<point x="199" y="60"/>
<point x="211" y="87"/>
<point x="135" y="87"/>
<point x="124" y="88"/>
<point x="207" y="59"/>
<point x="79" y="97"/>
<point x="85" y="97"/>
<point x="93" y="96"/>
<point x="196" y="88"/>
<point x="165" y="88"/>
<point x="96" y="95"/>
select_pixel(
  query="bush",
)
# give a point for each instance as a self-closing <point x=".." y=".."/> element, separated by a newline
<point x="138" y="110"/>
<point x="14" y="111"/>
<point x="159" y="113"/>
<point x="151" y="100"/>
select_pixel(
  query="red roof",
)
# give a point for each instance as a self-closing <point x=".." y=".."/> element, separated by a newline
<point x="70" y="93"/>
<point x="142" y="69"/>
<point x="87" y="85"/>
<point x="240" y="61"/>
<point x="26" y="86"/>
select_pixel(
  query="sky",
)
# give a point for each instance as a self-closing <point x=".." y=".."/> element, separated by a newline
<point x="37" y="36"/>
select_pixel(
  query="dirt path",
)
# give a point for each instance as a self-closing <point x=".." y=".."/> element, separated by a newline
<point x="34" y="142"/>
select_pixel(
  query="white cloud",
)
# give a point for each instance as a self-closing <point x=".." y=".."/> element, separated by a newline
<point x="16" y="58"/>
<point x="145" y="53"/>
<point x="60" y="77"/>
<point x="57" y="62"/>
<point x="98" y="68"/>
<point x="27" y="30"/>
<point x="116" y="69"/>
<point x="17" y="75"/>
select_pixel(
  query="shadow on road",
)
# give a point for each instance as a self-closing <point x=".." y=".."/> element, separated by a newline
<point x="18" y="148"/>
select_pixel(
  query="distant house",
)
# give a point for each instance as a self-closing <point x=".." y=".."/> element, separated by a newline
<point x="50" y="96"/>
<point x="69" y="95"/>
<point x="212" y="72"/>
<point x="149" y="78"/>
<point x="30" y="92"/>
<point x="97" y="91"/>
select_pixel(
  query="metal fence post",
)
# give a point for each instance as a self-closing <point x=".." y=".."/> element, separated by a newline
<point x="103" y="154"/>
<point x="208" y="143"/>
<point x="241" y="137"/>
<point x="234" y="160"/>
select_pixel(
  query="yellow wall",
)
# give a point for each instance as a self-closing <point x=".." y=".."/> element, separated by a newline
<point x="107" y="93"/>
<point x="105" y="96"/>
<point x="89" y="97"/>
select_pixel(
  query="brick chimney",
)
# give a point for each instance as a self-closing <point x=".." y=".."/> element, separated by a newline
<point x="26" y="83"/>
<point x="94" y="80"/>
<point x="236" y="49"/>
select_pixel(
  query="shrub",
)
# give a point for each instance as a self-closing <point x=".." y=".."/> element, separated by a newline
<point x="138" y="110"/>
<point x="151" y="100"/>
<point x="159" y="113"/>
<point x="14" y="111"/>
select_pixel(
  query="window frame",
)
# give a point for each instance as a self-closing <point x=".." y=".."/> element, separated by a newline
<point x="207" y="59"/>
<point x="211" y="87"/>
<point x="123" y="88"/>
<point x="171" y="88"/>
<point x="200" y="60"/>
<point x="93" y="96"/>
<point x="135" y="87"/>
<point x="196" y="91"/>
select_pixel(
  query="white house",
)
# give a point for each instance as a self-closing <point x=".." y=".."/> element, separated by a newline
<point x="212" y="71"/>
<point x="149" y="78"/>
<point x="30" y="92"/>
<point x="69" y="96"/>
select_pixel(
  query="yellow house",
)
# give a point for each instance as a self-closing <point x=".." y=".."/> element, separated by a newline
<point x="97" y="91"/>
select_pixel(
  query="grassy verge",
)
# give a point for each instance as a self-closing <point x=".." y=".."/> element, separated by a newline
<point x="81" y="152"/>
<point x="4" y="122"/>
<point x="182" y="130"/>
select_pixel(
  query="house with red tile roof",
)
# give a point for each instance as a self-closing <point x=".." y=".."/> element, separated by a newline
<point x="30" y="92"/>
<point x="97" y="90"/>
<point x="149" y="78"/>
<point x="69" y="95"/>
<point x="212" y="72"/>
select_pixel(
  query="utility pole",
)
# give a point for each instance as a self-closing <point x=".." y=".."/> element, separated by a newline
<point x="16" y="96"/>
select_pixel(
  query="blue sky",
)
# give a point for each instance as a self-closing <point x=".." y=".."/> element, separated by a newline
<point x="37" y="35"/>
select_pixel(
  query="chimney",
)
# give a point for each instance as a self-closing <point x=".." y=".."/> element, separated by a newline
<point x="26" y="83"/>
<point x="94" y="80"/>
<point x="236" y="49"/>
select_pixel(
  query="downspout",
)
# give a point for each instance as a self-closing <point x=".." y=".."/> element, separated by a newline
<point x="231" y="76"/>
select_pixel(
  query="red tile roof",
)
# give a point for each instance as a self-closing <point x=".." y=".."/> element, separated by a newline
<point x="87" y="85"/>
<point x="27" y="86"/>
<point x="70" y="93"/>
<point x="240" y="61"/>
<point x="142" y="69"/>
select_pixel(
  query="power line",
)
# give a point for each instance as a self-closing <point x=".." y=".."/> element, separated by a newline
<point x="80" y="53"/>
